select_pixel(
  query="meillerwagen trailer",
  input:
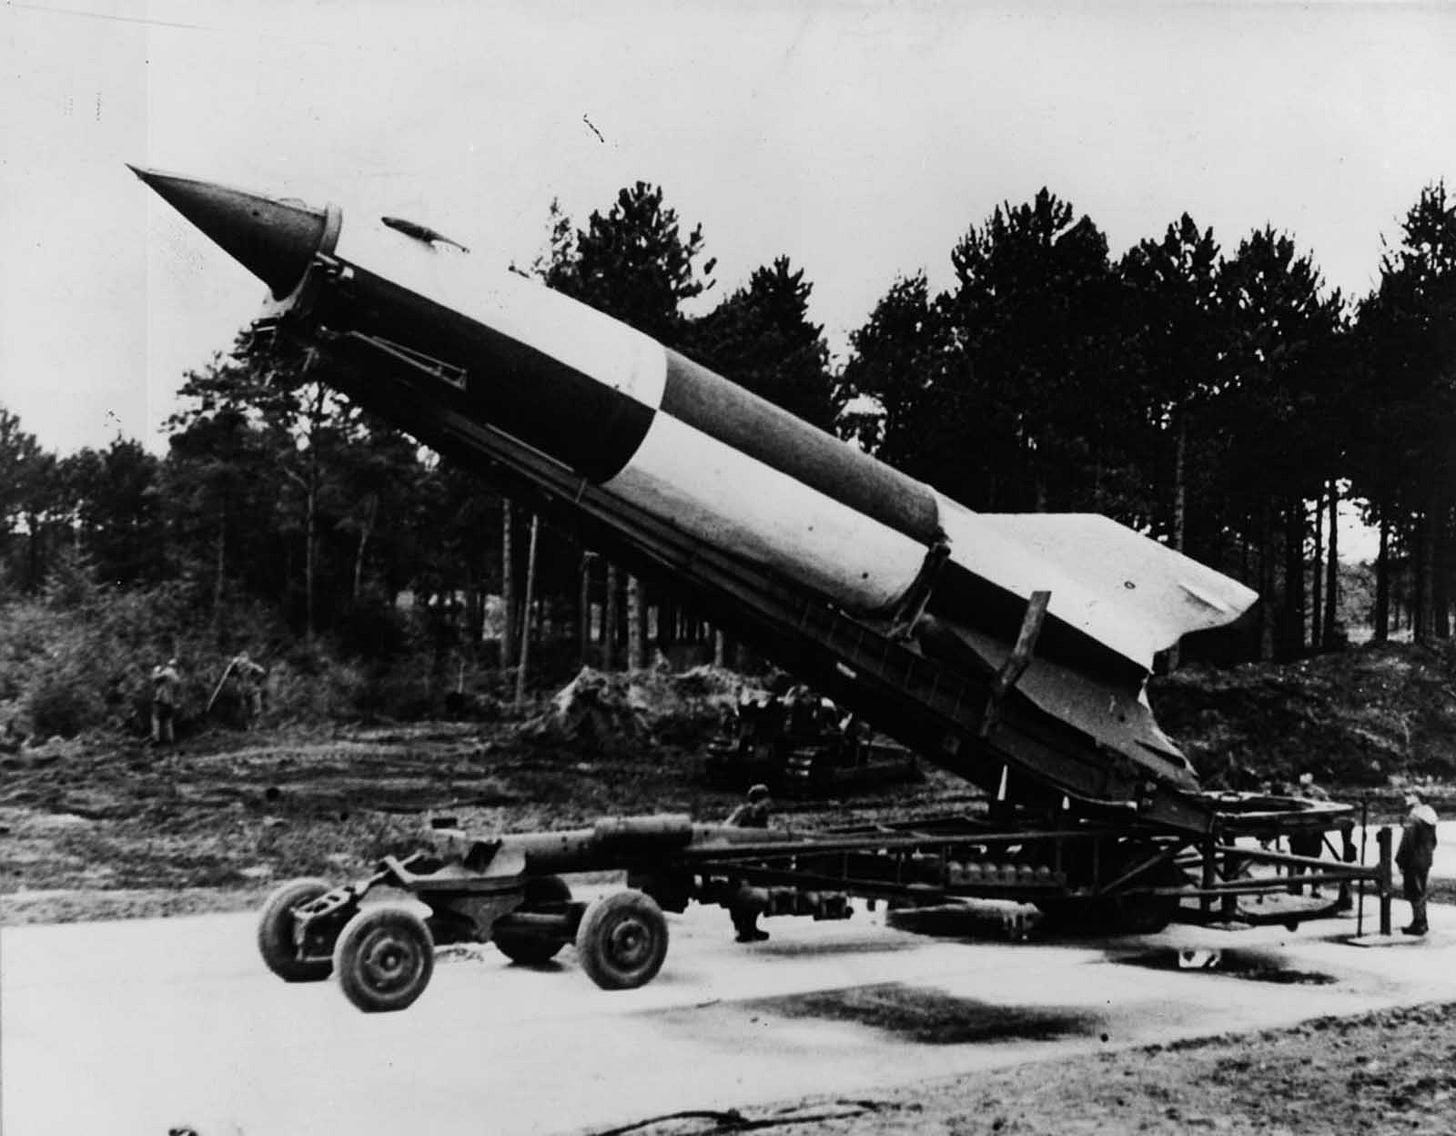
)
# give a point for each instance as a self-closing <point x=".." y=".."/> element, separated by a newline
<point x="1012" y="650"/>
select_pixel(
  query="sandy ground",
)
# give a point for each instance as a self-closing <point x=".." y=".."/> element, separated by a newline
<point x="1381" y="1073"/>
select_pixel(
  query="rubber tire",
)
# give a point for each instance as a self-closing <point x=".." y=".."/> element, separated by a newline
<point x="622" y="940"/>
<point x="526" y="948"/>
<point x="275" y="932"/>
<point x="384" y="958"/>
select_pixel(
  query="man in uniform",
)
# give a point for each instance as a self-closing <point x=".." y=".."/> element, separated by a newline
<point x="164" y="701"/>
<point x="753" y="813"/>
<point x="1413" y="858"/>
<point x="746" y="906"/>
<point x="250" y="688"/>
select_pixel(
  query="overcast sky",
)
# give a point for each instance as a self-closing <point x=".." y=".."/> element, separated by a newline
<point x="862" y="139"/>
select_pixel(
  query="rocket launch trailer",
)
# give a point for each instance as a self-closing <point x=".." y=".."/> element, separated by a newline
<point x="1011" y="650"/>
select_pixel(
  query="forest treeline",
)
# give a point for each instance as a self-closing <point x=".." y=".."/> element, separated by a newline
<point x="1221" y="398"/>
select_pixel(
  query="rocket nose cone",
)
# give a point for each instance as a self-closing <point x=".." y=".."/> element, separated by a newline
<point x="274" y="240"/>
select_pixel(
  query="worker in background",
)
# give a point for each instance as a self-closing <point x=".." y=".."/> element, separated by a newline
<point x="753" y="813"/>
<point x="1413" y="858"/>
<point x="165" y="681"/>
<point x="1309" y="790"/>
<point x="249" y="677"/>
<point x="1307" y="843"/>
<point x="1349" y="854"/>
<point x="748" y="904"/>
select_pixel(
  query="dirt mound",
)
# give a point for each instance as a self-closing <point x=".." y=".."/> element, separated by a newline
<point x="603" y="713"/>
<point x="1359" y="717"/>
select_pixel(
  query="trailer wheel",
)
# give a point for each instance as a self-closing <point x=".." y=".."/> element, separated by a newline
<point x="384" y="958"/>
<point x="622" y="940"/>
<point x="275" y="932"/>
<point x="531" y="948"/>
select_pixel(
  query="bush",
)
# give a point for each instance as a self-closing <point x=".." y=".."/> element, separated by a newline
<point x="61" y="700"/>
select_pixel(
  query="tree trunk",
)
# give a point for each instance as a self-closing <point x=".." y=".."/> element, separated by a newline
<point x="525" y="655"/>
<point x="609" y="621"/>
<point x="508" y="589"/>
<point x="1332" y="567"/>
<point x="474" y="605"/>
<point x="1267" y="610"/>
<point x="1293" y="631"/>
<point x="365" y="531"/>
<point x="32" y="551"/>
<point x="584" y="607"/>
<point x="720" y="648"/>
<point x="219" y="566"/>
<point x="1425" y="621"/>
<point x="1180" y="486"/>
<point x="1317" y="577"/>
<point x="1441" y="592"/>
<point x="1180" y="510"/>
<point x="309" y="566"/>
<point x="1382" y="582"/>
<point x="634" y="624"/>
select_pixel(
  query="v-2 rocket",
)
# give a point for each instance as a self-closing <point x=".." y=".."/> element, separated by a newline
<point x="666" y="435"/>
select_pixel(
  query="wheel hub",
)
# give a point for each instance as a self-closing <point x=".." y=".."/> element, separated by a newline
<point x="630" y="942"/>
<point x="388" y="962"/>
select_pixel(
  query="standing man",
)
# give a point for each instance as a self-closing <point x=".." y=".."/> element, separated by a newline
<point x="250" y="688"/>
<point x="1413" y="858"/>
<point x="164" y="701"/>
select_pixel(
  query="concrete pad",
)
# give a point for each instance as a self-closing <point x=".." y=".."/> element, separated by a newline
<point x="1395" y="940"/>
<point x="140" y="1026"/>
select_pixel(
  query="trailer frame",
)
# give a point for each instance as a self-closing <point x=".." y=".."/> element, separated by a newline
<point x="1084" y="878"/>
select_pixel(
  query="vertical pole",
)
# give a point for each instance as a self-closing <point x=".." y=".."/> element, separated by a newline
<point x="1230" y="905"/>
<point x="1382" y="838"/>
<point x="1210" y="875"/>
<point x="525" y="656"/>
<point x="1364" y="837"/>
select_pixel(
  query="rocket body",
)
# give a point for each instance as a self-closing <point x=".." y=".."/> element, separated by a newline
<point x="672" y="438"/>
<point x="642" y="421"/>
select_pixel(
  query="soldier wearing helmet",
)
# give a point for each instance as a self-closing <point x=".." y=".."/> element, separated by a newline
<point x="753" y="813"/>
<point x="747" y="905"/>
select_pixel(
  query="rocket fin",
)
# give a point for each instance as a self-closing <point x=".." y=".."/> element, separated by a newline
<point x="1115" y="715"/>
<point x="1128" y="592"/>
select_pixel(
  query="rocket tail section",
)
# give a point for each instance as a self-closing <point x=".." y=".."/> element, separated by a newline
<point x="1114" y="715"/>
<point x="1118" y="597"/>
